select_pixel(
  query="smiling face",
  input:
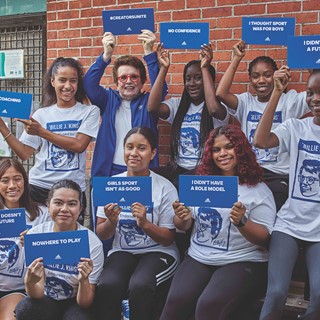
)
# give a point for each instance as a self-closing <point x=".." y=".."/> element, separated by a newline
<point x="261" y="78"/>
<point x="64" y="208"/>
<point x="194" y="84"/>
<point x="138" y="154"/>
<point x="224" y="155"/>
<point x="65" y="83"/>
<point x="129" y="82"/>
<point x="11" y="187"/>
<point x="313" y="96"/>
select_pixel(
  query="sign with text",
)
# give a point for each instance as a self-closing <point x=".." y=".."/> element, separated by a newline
<point x="57" y="247"/>
<point x="15" y="104"/>
<point x="12" y="222"/>
<point x="267" y="31"/>
<point x="304" y="52"/>
<point x="131" y="21"/>
<point x="11" y="64"/>
<point x="208" y="191"/>
<point x="122" y="190"/>
<point x="184" y="35"/>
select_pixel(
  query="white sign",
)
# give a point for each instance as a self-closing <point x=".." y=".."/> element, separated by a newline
<point x="11" y="64"/>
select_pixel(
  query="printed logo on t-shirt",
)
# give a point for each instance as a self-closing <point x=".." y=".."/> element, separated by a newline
<point x="190" y="137"/>
<point x="58" y="289"/>
<point x="59" y="159"/>
<point x="211" y="230"/>
<point x="262" y="155"/>
<point x="9" y="255"/>
<point x="131" y="236"/>
<point x="306" y="185"/>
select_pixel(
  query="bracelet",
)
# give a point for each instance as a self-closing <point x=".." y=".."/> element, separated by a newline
<point x="7" y="136"/>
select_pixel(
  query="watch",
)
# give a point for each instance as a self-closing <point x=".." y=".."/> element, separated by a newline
<point x="242" y="222"/>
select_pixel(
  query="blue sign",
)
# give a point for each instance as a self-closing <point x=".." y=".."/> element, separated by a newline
<point x="15" y="104"/>
<point x="57" y="247"/>
<point x="185" y="35"/>
<point x="208" y="191"/>
<point x="12" y="222"/>
<point x="122" y="190"/>
<point x="132" y="21"/>
<point x="304" y="52"/>
<point x="267" y="31"/>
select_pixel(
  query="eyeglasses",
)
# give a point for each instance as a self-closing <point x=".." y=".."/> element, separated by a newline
<point x="133" y="77"/>
<point x="309" y="179"/>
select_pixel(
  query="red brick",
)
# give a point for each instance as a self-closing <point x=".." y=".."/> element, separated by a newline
<point x="79" y="23"/>
<point x="185" y="15"/>
<point x="91" y="32"/>
<point x="98" y="3"/>
<point x="53" y="5"/>
<point x="79" y="4"/>
<point x="230" y="22"/>
<point x="57" y="44"/>
<point x="67" y="15"/>
<point x="57" y="25"/>
<point x="217" y="12"/>
<point x="283" y="7"/>
<point x="91" y="12"/>
<point x="69" y="52"/>
<point x="310" y="29"/>
<point x="69" y="34"/>
<point x="246" y="10"/>
<point x="311" y="5"/>
<point x="79" y="43"/>
<point x="169" y="5"/>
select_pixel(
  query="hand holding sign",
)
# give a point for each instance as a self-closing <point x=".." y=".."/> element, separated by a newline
<point x="35" y="273"/>
<point x="206" y="55"/>
<point x="112" y="211"/>
<point x="108" y="42"/>
<point x="148" y="38"/>
<point x="281" y="78"/>
<point x="139" y="211"/>
<point x="182" y="211"/>
<point x="237" y="212"/>
<point x="85" y="268"/>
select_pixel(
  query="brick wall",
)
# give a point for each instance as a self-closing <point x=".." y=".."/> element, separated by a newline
<point x="75" y="30"/>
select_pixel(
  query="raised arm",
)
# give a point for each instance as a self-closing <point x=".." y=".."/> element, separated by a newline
<point x="214" y="106"/>
<point x="263" y="137"/>
<point x="154" y="102"/>
<point x="23" y="151"/>
<point x="97" y="94"/>
<point x="223" y="90"/>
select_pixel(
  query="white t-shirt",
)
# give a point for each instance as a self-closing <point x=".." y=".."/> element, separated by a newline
<point x="189" y="147"/>
<point x="216" y="241"/>
<point x="249" y="112"/>
<point x="129" y="237"/>
<point x="123" y="125"/>
<point x="300" y="215"/>
<point x="52" y="163"/>
<point x="61" y="281"/>
<point x="12" y="260"/>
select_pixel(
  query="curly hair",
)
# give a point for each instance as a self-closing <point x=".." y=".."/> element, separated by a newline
<point x="248" y="170"/>
<point x="132" y="61"/>
<point x="25" y="201"/>
<point x="49" y="96"/>
<point x="206" y="124"/>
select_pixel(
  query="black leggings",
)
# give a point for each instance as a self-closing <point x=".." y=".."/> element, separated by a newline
<point x="213" y="292"/>
<point x="50" y="309"/>
<point x="136" y="277"/>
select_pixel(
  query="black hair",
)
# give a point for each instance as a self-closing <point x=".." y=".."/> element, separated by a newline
<point x="25" y="201"/>
<point x="148" y="133"/>
<point x="264" y="59"/>
<point x="206" y="123"/>
<point x="68" y="184"/>
<point x="48" y="92"/>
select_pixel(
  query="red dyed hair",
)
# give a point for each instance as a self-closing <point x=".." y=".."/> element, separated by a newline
<point x="248" y="170"/>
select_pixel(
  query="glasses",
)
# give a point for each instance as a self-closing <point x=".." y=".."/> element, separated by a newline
<point x="133" y="77"/>
<point x="309" y="179"/>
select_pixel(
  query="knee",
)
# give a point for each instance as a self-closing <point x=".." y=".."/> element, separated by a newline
<point x="27" y="309"/>
<point x="206" y="305"/>
<point x="137" y="289"/>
